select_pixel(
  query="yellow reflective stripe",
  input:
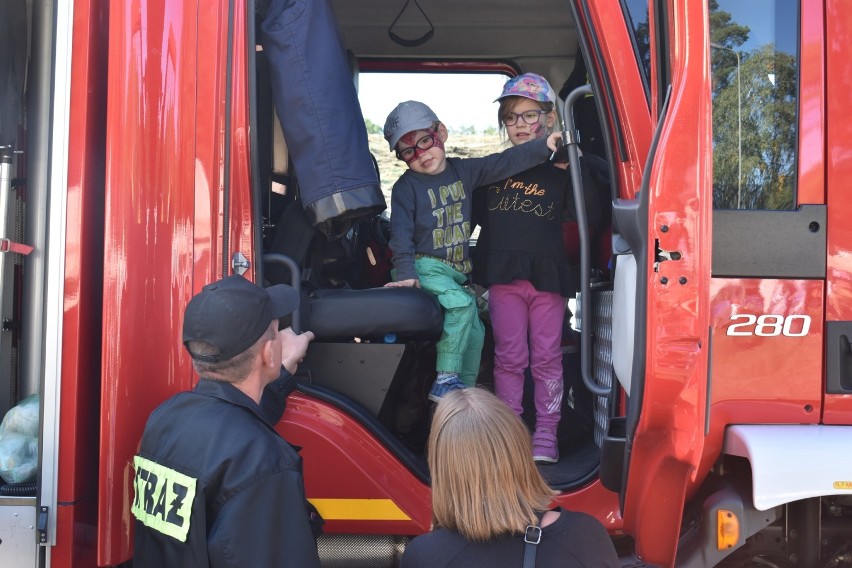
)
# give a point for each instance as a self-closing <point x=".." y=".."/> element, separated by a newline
<point x="162" y="498"/>
<point x="359" y="510"/>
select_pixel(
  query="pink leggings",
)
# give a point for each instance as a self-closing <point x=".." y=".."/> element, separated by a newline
<point x="528" y="333"/>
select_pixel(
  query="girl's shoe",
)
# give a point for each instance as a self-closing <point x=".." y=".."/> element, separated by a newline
<point x="545" y="447"/>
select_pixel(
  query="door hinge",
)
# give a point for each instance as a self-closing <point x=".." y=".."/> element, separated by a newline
<point x="42" y="525"/>
<point x="239" y="263"/>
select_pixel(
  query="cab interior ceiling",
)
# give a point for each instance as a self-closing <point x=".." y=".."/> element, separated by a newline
<point x="534" y="35"/>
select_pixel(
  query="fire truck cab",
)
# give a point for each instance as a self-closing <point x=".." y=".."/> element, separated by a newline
<point x="149" y="147"/>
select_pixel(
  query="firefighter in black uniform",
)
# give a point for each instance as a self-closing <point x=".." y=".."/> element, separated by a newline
<point x="215" y="484"/>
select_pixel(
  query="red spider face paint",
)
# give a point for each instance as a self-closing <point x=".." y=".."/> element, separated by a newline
<point x="409" y="138"/>
<point x="416" y="143"/>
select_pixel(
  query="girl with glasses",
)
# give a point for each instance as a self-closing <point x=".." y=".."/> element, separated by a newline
<point x="522" y="259"/>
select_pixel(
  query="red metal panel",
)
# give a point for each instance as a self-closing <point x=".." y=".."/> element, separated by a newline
<point x="668" y="441"/>
<point x="78" y="427"/>
<point x="363" y="467"/>
<point x="242" y="220"/>
<point x="769" y="378"/>
<point x="148" y="253"/>
<point x="596" y="500"/>
<point x="164" y="225"/>
<point x="633" y="112"/>
<point x="767" y="365"/>
<point x="75" y="534"/>
<point x="812" y="126"/>
<point x="838" y="305"/>
<point x="206" y="229"/>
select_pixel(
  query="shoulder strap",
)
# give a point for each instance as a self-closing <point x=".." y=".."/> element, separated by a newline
<point x="532" y="537"/>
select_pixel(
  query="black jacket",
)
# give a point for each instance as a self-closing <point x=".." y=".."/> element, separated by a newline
<point x="216" y="485"/>
<point x="574" y="540"/>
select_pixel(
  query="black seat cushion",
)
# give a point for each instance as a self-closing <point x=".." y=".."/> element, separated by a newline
<point x="409" y="314"/>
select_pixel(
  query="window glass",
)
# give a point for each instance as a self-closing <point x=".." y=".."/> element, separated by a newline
<point x="754" y="61"/>
<point x="464" y="102"/>
<point x="637" y="18"/>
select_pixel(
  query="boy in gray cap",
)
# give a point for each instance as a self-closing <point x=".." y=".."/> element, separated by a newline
<point x="430" y="228"/>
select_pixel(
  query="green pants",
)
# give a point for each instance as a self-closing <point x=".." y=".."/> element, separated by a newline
<point x="460" y="346"/>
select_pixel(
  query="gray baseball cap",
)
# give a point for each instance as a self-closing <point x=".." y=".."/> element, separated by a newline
<point x="407" y="117"/>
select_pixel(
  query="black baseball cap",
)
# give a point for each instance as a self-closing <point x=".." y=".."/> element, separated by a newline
<point x="232" y="314"/>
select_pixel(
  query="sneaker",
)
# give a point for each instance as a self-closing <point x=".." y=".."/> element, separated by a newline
<point x="444" y="384"/>
<point x="545" y="447"/>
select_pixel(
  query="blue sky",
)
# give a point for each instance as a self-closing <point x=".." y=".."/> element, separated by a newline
<point x="765" y="19"/>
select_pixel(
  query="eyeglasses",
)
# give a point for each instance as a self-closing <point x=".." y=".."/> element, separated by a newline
<point x="529" y="116"/>
<point x="410" y="154"/>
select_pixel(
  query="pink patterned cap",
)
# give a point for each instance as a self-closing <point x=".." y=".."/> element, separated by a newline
<point x="529" y="86"/>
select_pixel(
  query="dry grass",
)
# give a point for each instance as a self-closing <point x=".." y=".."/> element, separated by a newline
<point x="458" y="145"/>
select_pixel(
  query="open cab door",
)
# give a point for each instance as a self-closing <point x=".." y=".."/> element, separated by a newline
<point x="661" y="230"/>
<point x="665" y="425"/>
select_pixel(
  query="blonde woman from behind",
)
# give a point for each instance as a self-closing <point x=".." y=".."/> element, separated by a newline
<point x="486" y="491"/>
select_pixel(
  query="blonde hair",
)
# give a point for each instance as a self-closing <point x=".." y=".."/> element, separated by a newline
<point x="484" y="481"/>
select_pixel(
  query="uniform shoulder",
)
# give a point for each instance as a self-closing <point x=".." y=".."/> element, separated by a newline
<point x="189" y="418"/>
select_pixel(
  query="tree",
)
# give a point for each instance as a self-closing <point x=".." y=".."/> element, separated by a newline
<point x="728" y="34"/>
<point x="372" y="127"/>
<point x="754" y="119"/>
<point x="766" y="142"/>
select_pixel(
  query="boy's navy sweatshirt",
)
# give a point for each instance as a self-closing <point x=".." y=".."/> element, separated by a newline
<point x="430" y="214"/>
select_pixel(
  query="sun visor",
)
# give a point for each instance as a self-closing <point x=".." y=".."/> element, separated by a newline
<point x="316" y="102"/>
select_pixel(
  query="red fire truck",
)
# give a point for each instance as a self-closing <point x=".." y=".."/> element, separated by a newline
<point x="148" y="147"/>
